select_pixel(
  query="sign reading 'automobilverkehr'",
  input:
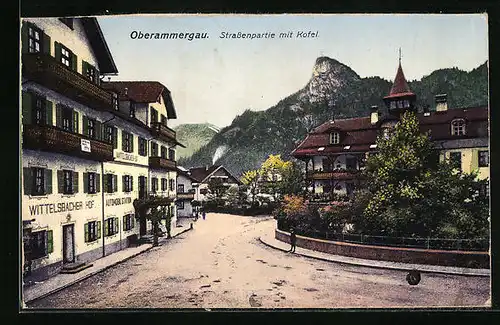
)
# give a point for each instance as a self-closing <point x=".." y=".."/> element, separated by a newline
<point x="118" y="201"/>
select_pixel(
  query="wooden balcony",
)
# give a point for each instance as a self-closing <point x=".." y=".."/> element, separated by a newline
<point x="163" y="132"/>
<point x="45" y="70"/>
<point x="162" y="163"/>
<point x="341" y="174"/>
<point x="185" y="196"/>
<point x="52" y="139"/>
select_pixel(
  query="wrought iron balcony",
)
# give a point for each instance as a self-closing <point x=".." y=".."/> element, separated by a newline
<point x="336" y="174"/>
<point x="45" y="70"/>
<point x="52" y="139"/>
<point x="162" y="163"/>
<point x="163" y="132"/>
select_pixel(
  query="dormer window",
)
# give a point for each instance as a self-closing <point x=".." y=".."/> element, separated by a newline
<point x="334" y="138"/>
<point x="458" y="127"/>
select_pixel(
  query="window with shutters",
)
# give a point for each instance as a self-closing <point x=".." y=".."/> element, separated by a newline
<point x="127" y="183"/>
<point x="163" y="152"/>
<point x="164" y="184"/>
<point x="154" y="149"/>
<point x="458" y="127"/>
<point x="111" y="183"/>
<point x="483" y="157"/>
<point x="154" y="185"/>
<point x="154" y="115"/>
<point x="68" y="181"/>
<point x="39" y="110"/>
<point x="39" y="181"/>
<point x="111" y="226"/>
<point x="66" y="56"/>
<point x="67" y="118"/>
<point x="128" y="222"/>
<point x="127" y="139"/>
<point x="91" y="182"/>
<point x="41" y="244"/>
<point x="91" y="128"/>
<point x="90" y="72"/>
<point x="92" y="231"/>
<point x="180" y="188"/>
<point x="456" y="159"/>
<point x="143" y="147"/>
<point x="34" y="39"/>
<point x="172" y="184"/>
<point x="171" y="154"/>
<point x="109" y="134"/>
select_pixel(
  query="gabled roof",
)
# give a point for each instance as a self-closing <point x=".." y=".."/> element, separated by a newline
<point x="201" y="174"/>
<point x="99" y="45"/>
<point x="359" y="134"/>
<point x="185" y="173"/>
<point x="142" y="92"/>
<point x="400" y="86"/>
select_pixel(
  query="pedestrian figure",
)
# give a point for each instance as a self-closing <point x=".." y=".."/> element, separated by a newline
<point x="293" y="241"/>
<point x="203" y="214"/>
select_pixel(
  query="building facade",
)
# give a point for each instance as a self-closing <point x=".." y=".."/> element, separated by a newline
<point x="185" y="194"/>
<point x="83" y="156"/>
<point x="335" y="152"/>
<point x="202" y="177"/>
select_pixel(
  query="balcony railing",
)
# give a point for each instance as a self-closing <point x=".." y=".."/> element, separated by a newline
<point x="52" y="139"/>
<point x="162" y="163"/>
<point x="338" y="174"/>
<point x="185" y="196"/>
<point x="163" y="132"/>
<point x="44" y="69"/>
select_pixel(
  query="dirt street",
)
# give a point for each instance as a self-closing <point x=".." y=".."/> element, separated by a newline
<point x="221" y="264"/>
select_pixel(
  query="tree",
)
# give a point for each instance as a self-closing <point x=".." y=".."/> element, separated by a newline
<point x="251" y="180"/>
<point x="216" y="188"/>
<point x="271" y="174"/>
<point x="414" y="194"/>
<point x="293" y="180"/>
<point x="151" y="209"/>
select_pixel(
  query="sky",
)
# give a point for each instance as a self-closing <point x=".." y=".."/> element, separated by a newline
<point x="214" y="79"/>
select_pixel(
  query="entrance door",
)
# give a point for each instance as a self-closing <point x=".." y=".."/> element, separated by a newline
<point x="68" y="244"/>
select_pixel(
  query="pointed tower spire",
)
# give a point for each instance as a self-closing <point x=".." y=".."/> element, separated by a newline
<point x="400" y="97"/>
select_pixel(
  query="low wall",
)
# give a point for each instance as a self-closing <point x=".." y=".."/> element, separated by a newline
<point x="393" y="254"/>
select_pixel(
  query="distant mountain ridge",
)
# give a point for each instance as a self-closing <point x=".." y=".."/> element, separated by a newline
<point x="193" y="136"/>
<point x="334" y="91"/>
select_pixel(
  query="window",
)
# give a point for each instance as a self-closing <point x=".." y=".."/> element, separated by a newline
<point x="91" y="182"/>
<point x="67" y="21"/>
<point x="334" y="138"/>
<point x="154" y="115"/>
<point x="111" y="226"/>
<point x="393" y="105"/>
<point x="456" y="159"/>
<point x="180" y="188"/>
<point x="67" y="118"/>
<point x="171" y="154"/>
<point x="180" y="205"/>
<point x="127" y="142"/>
<point x="171" y="184"/>
<point x="110" y="183"/>
<point x="154" y="184"/>
<point x="39" y="112"/>
<point x="92" y="231"/>
<point x="66" y="56"/>
<point x="34" y="39"/>
<point x="154" y="149"/>
<point x="90" y="72"/>
<point x="109" y="134"/>
<point x="127" y="183"/>
<point x="164" y="184"/>
<point x="39" y="181"/>
<point x="458" y="127"/>
<point x="132" y="110"/>
<point x="351" y="163"/>
<point x="114" y="101"/>
<point x="68" y="181"/>
<point x="91" y="129"/>
<point x="128" y="222"/>
<point x="203" y="191"/>
<point x="483" y="156"/>
<point x="163" y="152"/>
<point x="143" y="147"/>
<point x="41" y="244"/>
<point x="400" y="104"/>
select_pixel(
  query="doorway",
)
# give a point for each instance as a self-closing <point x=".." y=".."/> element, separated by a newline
<point x="68" y="244"/>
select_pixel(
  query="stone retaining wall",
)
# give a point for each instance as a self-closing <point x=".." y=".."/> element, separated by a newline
<point x="393" y="254"/>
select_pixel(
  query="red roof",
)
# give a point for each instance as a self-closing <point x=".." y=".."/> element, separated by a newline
<point x="400" y="86"/>
<point x="359" y="133"/>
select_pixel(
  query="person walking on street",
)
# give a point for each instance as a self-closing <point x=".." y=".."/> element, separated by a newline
<point x="203" y="215"/>
<point x="293" y="241"/>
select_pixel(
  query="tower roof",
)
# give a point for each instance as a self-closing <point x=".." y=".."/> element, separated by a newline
<point x="400" y="86"/>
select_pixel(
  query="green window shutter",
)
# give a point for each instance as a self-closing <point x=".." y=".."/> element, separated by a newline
<point x="115" y="183"/>
<point x="98" y="183"/>
<point x="74" y="62"/>
<point x="146" y="185"/>
<point x="48" y="109"/>
<point x="115" y="138"/>
<point x="57" y="47"/>
<point x="58" y="115"/>
<point x="124" y="222"/>
<point x="131" y="143"/>
<point x="106" y="228"/>
<point x="48" y="181"/>
<point x="85" y="182"/>
<point x="46" y="43"/>
<point x="117" y="226"/>
<point x="98" y="130"/>
<point x="123" y="140"/>
<point x="85" y="122"/>
<point x="131" y="183"/>
<point x="75" y="182"/>
<point x="50" y="243"/>
<point x="24" y="37"/>
<point x="123" y="183"/>
<point x="84" y="68"/>
<point x="146" y="147"/>
<point x="28" y="180"/>
<point x="27" y="107"/>
<point x="76" y="121"/>
<point x="60" y="181"/>
<point x="105" y="180"/>
<point x="98" y="229"/>
<point x="132" y="221"/>
<point x="86" y="229"/>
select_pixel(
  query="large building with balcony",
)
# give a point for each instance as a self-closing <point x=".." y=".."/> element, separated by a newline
<point x="335" y="152"/>
<point x="89" y="147"/>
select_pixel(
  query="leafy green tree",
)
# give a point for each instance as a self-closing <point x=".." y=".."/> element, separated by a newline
<point x="251" y="180"/>
<point x="152" y="208"/>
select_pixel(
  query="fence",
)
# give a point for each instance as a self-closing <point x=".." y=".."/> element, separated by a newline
<point x="477" y="244"/>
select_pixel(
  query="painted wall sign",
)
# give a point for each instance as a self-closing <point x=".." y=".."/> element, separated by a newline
<point x="118" y="201"/>
<point x="49" y="208"/>
<point x="126" y="156"/>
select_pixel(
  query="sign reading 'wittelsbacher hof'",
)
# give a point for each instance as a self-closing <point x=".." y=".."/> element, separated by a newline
<point x="48" y="208"/>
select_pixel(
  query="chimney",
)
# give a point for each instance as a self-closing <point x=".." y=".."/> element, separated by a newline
<point x="374" y="114"/>
<point x="441" y="103"/>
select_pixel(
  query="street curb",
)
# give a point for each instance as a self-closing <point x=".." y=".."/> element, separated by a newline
<point x="96" y="272"/>
<point x="375" y="266"/>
